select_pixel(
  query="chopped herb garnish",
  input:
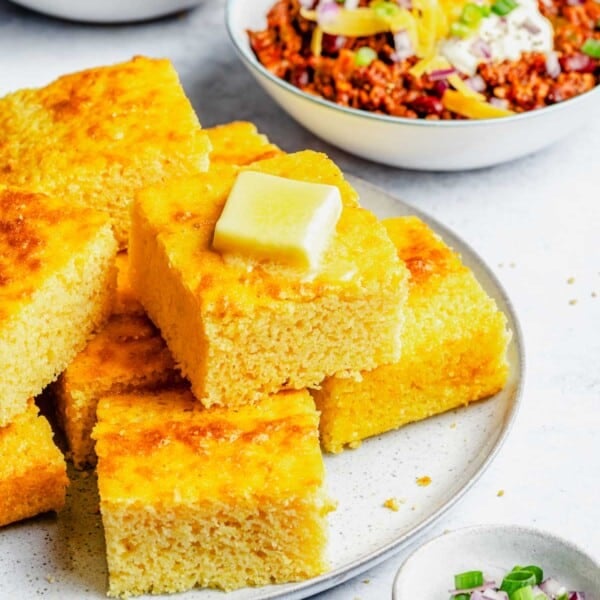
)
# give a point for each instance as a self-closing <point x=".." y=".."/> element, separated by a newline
<point x="503" y="7"/>
<point x="591" y="47"/>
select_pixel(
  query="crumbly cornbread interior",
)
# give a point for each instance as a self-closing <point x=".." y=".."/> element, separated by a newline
<point x="244" y="506"/>
<point x="33" y="474"/>
<point x="454" y="347"/>
<point x="57" y="282"/>
<point x="96" y="136"/>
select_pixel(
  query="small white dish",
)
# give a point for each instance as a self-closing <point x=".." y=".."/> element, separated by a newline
<point x="108" y="11"/>
<point x="410" y="143"/>
<point x="428" y="574"/>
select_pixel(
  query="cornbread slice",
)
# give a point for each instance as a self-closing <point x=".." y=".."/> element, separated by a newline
<point x="128" y="354"/>
<point x="239" y="143"/>
<point x="97" y="136"/>
<point x="212" y="498"/>
<point x="33" y="475"/>
<point x="240" y="329"/>
<point x="57" y="281"/>
<point x="454" y="346"/>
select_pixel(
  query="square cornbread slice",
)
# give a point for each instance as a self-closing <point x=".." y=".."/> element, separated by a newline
<point x="33" y="475"/>
<point x="240" y="329"/>
<point x="454" y="347"/>
<point x="239" y="143"/>
<point x="209" y="497"/>
<point x="57" y="282"/>
<point x="96" y="136"/>
<point x="126" y="355"/>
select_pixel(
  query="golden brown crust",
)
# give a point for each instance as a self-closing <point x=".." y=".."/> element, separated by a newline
<point x="96" y="136"/>
<point x="33" y="476"/>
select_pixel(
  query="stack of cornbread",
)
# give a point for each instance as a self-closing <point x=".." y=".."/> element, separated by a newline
<point x="196" y="395"/>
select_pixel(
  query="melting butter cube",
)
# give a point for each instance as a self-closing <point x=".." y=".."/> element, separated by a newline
<point x="279" y="219"/>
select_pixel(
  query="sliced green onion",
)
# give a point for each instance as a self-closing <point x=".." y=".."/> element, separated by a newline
<point x="385" y="9"/>
<point x="461" y="597"/>
<point x="537" y="571"/>
<point x="516" y="580"/>
<point x="365" y="56"/>
<point x="471" y="14"/>
<point x="460" y="30"/>
<point x="468" y="579"/>
<point x="541" y="596"/>
<point x="524" y="593"/>
<point x="503" y="7"/>
<point x="591" y="47"/>
<point x="486" y="11"/>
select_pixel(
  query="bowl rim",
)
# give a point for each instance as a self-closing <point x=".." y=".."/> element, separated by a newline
<point x="505" y="528"/>
<point x="247" y="56"/>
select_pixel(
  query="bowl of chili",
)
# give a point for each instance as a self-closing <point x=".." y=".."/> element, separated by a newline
<point x="389" y="98"/>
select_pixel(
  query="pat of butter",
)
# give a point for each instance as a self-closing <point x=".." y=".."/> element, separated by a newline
<point x="278" y="219"/>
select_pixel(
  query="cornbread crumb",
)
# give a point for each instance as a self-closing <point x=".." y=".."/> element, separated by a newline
<point x="97" y="136"/>
<point x="500" y="493"/>
<point x="33" y="475"/>
<point x="423" y="481"/>
<point x="454" y="345"/>
<point x="57" y="282"/>
<point x="392" y="504"/>
<point x="453" y="425"/>
<point x="224" y="318"/>
<point x="571" y="280"/>
<point x="245" y="507"/>
<point x="573" y="301"/>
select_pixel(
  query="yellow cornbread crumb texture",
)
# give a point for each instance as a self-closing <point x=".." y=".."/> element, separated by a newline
<point x="241" y="329"/>
<point x="453" y="348"/>
<point x="245" y="506"/>
<point x="96" y="136"/>
<point x="239" y="143"/>
<point x="33" y="477"/>
<point x="57" y="281"/>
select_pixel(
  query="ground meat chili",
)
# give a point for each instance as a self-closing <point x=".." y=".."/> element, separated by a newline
<point x="386" y="85"/>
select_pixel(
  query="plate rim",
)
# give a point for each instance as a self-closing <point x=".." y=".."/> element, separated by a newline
<point x="335" y="577"/>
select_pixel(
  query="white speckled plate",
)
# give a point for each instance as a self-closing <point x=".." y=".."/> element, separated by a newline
<point x="63" y="558"/>
<point x="495" y="550"/>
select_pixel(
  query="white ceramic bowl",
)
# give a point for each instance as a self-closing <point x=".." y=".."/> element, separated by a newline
<point x="429" y="572"/>
<point x="410" y="143"/>
<point x="107" y="11"/>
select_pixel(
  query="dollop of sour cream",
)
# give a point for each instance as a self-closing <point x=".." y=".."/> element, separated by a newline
<point x="524" y="29"/>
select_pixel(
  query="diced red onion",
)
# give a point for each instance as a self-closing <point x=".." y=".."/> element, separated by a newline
<point x="499" y="102"/>
<point x="403" y="45"/>
<point x="574" y="2"/>
<point x="351" y="4"/>
<point x="576" y="595"/>
<point x="405" y="4"/>
<point x="440" y="87"/>
<point x="551" y="587"/>
<point x="553" y="65"/>
<point x="439" y="74"/>
<point x="481" y="49"/>
<point x="531" y="27"/>
<point x="327" y="11"/>
<point x="476" y="83"/>
<point x="477" y="595"/>
<point x="308" y="4"/>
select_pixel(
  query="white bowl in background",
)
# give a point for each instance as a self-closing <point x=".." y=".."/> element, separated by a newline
<point x="428" y="574"/>
<point x="410" y="143"/>
<point x="108" y="11"/>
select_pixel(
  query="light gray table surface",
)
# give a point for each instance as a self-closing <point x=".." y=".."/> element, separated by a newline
<point x="536" y="222"/>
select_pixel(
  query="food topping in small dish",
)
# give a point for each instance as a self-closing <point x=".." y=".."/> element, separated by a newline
<point x="522" y="583"/>
<point x="436" y="59"/>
